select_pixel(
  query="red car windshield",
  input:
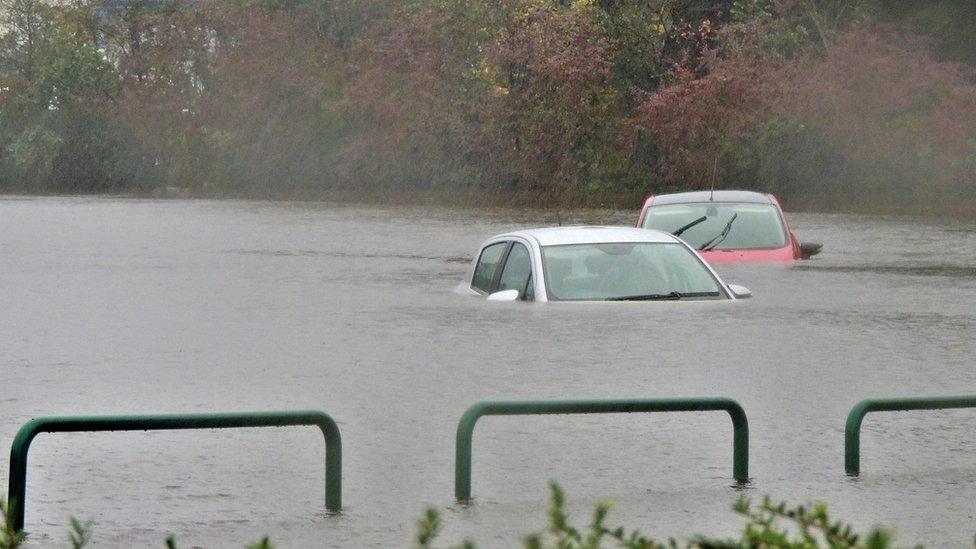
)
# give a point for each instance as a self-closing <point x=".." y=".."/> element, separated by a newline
<point x="756" y="226"/>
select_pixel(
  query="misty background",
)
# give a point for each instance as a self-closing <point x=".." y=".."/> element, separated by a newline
<point x="844" y="105"/>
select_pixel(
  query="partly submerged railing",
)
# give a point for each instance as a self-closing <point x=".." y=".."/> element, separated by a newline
<point x="17" y="492"/>
<point x="852" y="431"/>
<point x="465" y="430"/>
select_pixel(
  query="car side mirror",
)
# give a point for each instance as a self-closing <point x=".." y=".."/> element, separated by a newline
<point x="740" y="292"/>
<point x="504" y="295"/>
<point x="810" y="249"/>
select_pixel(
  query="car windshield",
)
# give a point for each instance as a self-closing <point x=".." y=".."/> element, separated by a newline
<point x="757" y="226"/>
<point x="576" y="272"/>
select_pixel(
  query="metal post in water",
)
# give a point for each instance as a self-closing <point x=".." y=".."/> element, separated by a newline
<point x="17" y="489"/>
<point x="465" y="429"/>
<point x="852" y="430"/>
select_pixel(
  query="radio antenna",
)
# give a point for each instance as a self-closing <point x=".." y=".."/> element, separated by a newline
<point x="711" y="196"/>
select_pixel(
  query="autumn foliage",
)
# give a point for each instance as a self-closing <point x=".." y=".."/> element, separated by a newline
<point x="831" y="104"/>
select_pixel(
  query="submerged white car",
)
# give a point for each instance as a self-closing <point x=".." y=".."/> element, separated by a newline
<point x="593" y="264"/>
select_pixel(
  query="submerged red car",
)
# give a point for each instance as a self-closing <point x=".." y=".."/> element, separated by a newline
<point x="727" y="226"/>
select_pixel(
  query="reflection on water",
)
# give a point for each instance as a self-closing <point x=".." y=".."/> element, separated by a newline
<point x="132" y="306"/>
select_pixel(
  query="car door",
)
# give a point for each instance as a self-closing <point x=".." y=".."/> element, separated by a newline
<point x="486" y="270"/>
<point x="505" y="265"/>
<point x="516" y="273"/>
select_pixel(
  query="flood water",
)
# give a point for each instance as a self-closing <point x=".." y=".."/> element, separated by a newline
<point x="113" y="306"/>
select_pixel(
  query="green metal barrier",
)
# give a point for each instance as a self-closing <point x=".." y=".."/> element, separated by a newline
<point x="17" y="492"/>
<point x="465" y="430"/>
<point x="852" y="431"/>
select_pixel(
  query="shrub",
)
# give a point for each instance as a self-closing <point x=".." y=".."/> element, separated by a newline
<point x="851" y="118"/>
<point x="768" y="525"/>
<point x="802" y="528"/>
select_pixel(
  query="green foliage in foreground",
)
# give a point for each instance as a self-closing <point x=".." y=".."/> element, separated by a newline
<point x="768" y="525"/>
<point x="9" y="537"/>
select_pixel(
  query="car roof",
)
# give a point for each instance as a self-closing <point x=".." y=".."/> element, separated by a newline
<point x="709" y="196"/>
<point x="554" y="236"/>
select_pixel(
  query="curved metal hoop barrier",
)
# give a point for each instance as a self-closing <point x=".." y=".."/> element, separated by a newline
<point x="17" y="492"/>
<point x="465" y="430"/>
<point x="852" y="431"/>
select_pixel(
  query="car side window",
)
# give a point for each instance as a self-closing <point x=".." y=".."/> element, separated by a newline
<point x="517" y="271"/>
<point x="484" y="272"/>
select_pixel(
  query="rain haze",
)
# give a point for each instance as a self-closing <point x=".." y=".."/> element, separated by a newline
<point x="255" y="206"/>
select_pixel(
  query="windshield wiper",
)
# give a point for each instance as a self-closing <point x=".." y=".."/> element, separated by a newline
<point x="690" y="225"/>
<point x="721" y="236"/>
<point x="648" y="297"/>
<point x="663" y="297"/>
